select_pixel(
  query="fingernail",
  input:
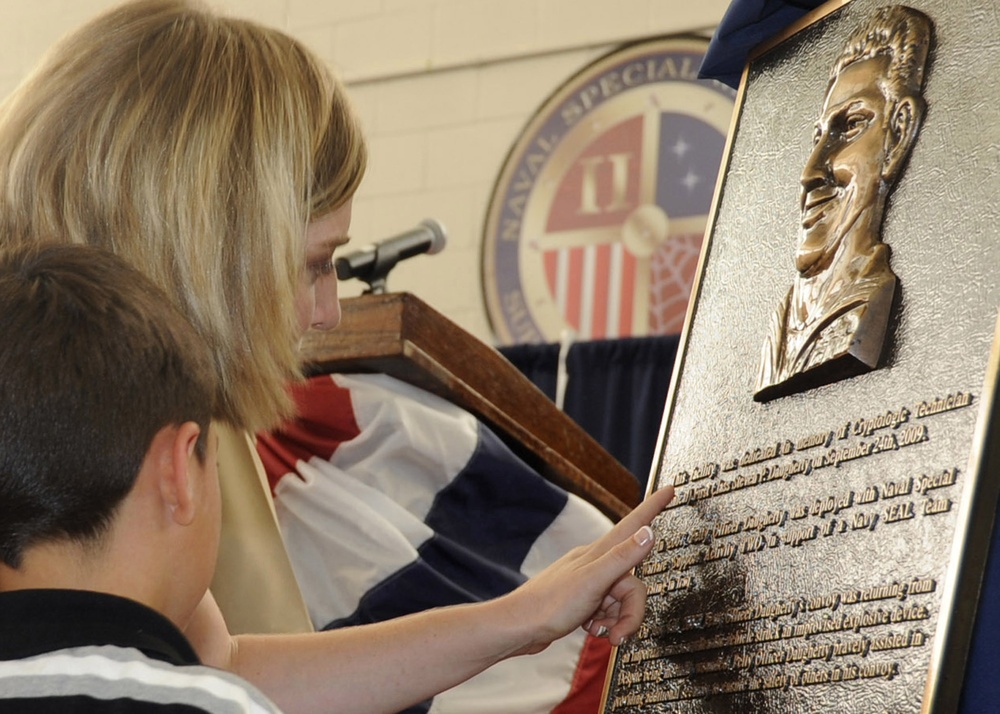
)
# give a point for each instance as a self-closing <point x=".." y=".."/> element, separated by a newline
<point x="602" y="631"/>
<point x="643" y="536"/>
<point x="587" y="626"/>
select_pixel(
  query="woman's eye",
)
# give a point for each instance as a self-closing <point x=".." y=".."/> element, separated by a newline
<point x="321" y="268"/>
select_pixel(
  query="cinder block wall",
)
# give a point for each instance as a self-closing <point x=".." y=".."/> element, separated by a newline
<point x="443" y="88"/>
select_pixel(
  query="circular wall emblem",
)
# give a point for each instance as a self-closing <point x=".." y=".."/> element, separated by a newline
<point x="596" y="220"/>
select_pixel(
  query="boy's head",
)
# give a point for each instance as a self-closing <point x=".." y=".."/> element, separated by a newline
<point x="94" y="363"/>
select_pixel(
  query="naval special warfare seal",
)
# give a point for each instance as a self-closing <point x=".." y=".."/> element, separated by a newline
<point x="597" y="217"/>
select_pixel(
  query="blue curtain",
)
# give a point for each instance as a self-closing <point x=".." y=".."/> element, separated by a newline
<point x="616" y="390"/>
<point x="746" y="24"/>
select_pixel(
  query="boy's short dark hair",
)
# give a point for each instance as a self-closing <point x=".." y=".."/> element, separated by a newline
<point x="94" y="361"/>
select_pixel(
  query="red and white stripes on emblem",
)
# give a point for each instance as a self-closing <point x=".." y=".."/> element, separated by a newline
<point x="593" y="289"/>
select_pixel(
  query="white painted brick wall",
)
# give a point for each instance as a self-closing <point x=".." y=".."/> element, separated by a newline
<point x="443" y="88"/>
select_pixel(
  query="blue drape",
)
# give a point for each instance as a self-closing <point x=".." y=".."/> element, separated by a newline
<point x="616" y="390"/>
<point x="746" y="24"/>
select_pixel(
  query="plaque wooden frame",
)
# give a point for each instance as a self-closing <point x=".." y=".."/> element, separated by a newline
<point x="826" y="548"/>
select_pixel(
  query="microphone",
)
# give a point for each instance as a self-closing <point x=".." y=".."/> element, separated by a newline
<point x="372" y="263"/>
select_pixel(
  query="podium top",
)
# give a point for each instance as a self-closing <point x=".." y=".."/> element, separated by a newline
<point x="400" y="335"/>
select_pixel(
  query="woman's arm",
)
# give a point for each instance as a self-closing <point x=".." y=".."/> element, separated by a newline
<point x="391" y="665"/>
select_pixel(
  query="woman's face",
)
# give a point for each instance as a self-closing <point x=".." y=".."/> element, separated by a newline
<point x="316" y="305"/>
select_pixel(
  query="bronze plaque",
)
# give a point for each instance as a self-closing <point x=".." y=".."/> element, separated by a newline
<point x="829" y="428"/>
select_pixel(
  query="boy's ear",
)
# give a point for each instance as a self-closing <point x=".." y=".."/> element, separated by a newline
<point x="177" y="485"/>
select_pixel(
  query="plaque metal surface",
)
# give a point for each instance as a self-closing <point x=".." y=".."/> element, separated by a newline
<point x="826" y="545"/>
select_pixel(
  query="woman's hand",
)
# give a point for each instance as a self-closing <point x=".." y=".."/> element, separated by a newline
<point x="591" y="586"/>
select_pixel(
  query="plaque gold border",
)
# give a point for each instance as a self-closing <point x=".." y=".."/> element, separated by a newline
<point x="979" y="497"/>
<point x="977" y="509"/>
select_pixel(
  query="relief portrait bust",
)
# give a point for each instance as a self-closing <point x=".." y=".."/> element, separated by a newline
<point x="832" y="322"/>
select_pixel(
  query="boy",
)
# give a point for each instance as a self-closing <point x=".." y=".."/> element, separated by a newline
<point x="109" y="500"/>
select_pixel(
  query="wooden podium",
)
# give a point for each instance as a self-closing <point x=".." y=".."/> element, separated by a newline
<point x="399" y="335"/>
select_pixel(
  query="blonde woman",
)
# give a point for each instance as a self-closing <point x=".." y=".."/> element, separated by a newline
<point x="220" y="157"/>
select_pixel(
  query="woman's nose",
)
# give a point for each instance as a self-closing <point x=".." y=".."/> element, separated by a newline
<point x="326" y="308"/>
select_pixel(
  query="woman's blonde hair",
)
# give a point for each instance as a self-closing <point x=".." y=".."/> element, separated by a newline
<point x="197" y="147"/>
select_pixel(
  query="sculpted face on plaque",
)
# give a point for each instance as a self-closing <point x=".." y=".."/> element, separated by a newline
<point x="832" y="322"/>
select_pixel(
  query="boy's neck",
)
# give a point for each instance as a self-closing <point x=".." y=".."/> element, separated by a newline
<point x="96" y="567"/>
<point x="69" y="565"/>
